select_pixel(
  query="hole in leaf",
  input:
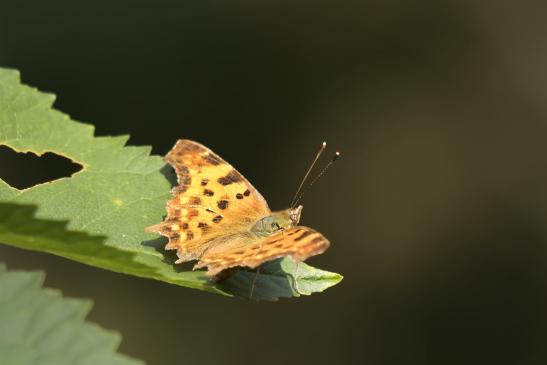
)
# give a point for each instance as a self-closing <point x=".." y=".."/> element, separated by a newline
<point x="24" y="170"/>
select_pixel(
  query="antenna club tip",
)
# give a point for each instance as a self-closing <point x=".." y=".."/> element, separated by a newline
<point x="324" y="144"/>
<point x="336" y="155"/>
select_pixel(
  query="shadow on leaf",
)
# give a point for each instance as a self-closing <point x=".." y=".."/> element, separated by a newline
<point x="19" y="227"/>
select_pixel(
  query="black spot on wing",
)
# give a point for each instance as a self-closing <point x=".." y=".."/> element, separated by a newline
<point x="208" y="192"/>
<point x="294" y="232"/>
<point x="217" y="219"/>
<point x="204" y="227"/>
<point x="212" y="159"/>
<point x="274" y="241"/>
<point x="232" y="177"/>
<point x="303" y="235"/>
<point x="222" y="204"/>
<point x="189" y="146"/>
<point x="184" y="179"/>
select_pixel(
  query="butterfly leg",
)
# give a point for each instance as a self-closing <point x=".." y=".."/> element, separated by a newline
<point x="295" y="277"/>
<point x="256" y="274"/>
<point x="254" y="283"/>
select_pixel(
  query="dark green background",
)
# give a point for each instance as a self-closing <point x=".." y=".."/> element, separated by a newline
<point x="436" y="212"/>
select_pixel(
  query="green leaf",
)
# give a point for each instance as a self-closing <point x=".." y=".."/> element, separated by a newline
<point x="39" y="326"/>
<point x="98" y="215"/>
<point x="281" y="278"/>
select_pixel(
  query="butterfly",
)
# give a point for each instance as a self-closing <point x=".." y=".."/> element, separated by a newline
<point x="219" y="219"/>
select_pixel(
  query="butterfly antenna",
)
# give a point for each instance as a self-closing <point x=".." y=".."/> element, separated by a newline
<point x="321" y="149"/>
<point x="336" y="155"/>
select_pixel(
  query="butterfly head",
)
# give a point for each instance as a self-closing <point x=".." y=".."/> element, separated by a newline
<point x="288" y="218"/>
<point x="294" y="215"/>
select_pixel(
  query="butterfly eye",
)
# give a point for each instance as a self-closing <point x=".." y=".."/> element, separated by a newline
<point x="276" y="225"/>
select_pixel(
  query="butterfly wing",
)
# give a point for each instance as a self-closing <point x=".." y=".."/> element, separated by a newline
<point x="212" y="200"/>
<point x="298" y="242"/>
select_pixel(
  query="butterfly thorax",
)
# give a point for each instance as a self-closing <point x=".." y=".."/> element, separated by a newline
<point x="277" y="221"/>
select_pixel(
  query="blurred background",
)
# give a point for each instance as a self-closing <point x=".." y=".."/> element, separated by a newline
<point x="436" y="210"/>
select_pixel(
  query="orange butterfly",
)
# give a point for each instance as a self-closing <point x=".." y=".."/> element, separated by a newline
<point x="219" y="219"/>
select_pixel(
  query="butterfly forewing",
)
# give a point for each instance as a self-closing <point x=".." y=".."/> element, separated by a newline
<point x="212" y="200"/>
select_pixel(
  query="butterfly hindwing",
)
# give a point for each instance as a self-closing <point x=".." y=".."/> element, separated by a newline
<point x="298" y="242"/>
